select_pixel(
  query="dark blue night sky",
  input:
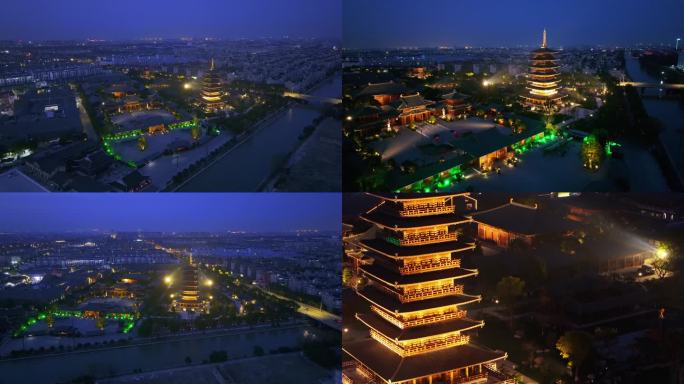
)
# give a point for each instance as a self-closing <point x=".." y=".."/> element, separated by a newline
<point x="253" y="212"/>
<point x="132" y="19"/>
<point x="495" y="23"/>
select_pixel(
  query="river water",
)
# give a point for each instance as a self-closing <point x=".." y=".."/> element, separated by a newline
<point x="160" y="355"/>
<point x="667" y="111"/>
<point x="246" y="166"/>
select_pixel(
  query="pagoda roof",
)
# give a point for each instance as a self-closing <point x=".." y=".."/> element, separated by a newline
<point x="544" y="50"/>
<point x="392" y="304"/>
<point x="455" y="95"/>
<point x="388" y="276"/>
<point x="386" y="88"/>
<point x="392" y="367"/>
<point x="386" y="248"/>
<point x="387" y="220"/>
<point x="388" y="329"/>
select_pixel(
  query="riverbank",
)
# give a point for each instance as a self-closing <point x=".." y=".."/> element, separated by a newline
<point x="150" y="356"/>
<point x="248" y="164"/>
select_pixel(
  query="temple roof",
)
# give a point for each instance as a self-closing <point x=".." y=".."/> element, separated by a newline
<point x="484" y="142"/>
<point x="392" y="277"/>
<point x="392" y="367"/>
<point x="387" y="88"/>
<point x="413" y="196"/>
<point x="393" y="332"/>
<point x="525" y="220"/>
<point x="392" y="304"/>
<point x="387" y="220"/>
<point x="413" y="101"/>
<point x="382" y="246"/>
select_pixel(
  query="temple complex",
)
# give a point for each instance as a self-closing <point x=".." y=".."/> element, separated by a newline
<point x="417" y="322"/>
<point x="543" y="83"/>
<point x="212" y="91"/>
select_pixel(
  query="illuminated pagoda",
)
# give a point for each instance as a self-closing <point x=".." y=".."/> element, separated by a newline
<point x="543" y="82"/>
<point x="189" y="300"/>
<point x="418" y="326"/>
<point x="212" y="91"/>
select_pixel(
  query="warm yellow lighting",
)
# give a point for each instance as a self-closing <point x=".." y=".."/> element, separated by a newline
<point x="167" y="279"/>
<point x="486" y="83"/>
<point x="662" y="253"/>
<point x="187" y="86"/>
<point x="172" y="295"/>
<point x="209" y="282"/>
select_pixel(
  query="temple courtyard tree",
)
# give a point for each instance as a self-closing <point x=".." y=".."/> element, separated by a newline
<point x="508" y="290"/>
<point x="575" y="346"/>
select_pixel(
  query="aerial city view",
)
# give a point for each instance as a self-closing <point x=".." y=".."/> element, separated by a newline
<point x="170" y="96"/>
<point x="516" y="96"/>
<point x="465" y="287"/>
<point x="229" y="288"/>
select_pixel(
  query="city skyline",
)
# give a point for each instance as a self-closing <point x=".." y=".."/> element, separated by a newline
<point x="457" y="24"/>
<point x="80" y="20"/>
<point x="188" y="212"/>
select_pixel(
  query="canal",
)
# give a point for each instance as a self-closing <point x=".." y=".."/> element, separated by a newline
<point x="152" y="356"/>
<point x="668" y="111"/>
<point x="245" y="167"/>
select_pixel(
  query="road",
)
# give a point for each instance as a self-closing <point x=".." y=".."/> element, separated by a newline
<point x="85" y="121"/>
<point x="638" y="84"/>
<point x="330" y="319"/>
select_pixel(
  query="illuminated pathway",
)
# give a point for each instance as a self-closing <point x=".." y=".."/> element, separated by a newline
<point x="639" y="84"/>
<point x="296" y="95"/>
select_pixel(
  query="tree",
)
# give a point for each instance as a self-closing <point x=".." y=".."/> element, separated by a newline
<point x="100" y="322"/>
<point x="195" y="132"/>
<point x="142" y="143"/>
<point x="662" y="260"/>
<point x="508" y="290"/>
<point x="346" y="275"/>
<point x="592" y="152"/>
<point x="574" y="346"/>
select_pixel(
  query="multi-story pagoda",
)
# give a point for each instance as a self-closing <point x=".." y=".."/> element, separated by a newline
<point x="189" y="299"/>
<point x="417" y="321"/>
<point x="543" y="82"/>
<point x="212" y="90"/>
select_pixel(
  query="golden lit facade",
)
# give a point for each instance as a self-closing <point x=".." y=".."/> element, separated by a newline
<point x="543" y="82"/>
<point x="190" y="300"/>
<point x="211" y="97"/>
<point x="417" y="323"/>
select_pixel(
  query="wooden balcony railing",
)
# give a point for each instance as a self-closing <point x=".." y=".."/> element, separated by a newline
<point x="411" y="349"/>
<point x="470" y="378"/>
<point x="426" y="210"/>
<point x="430" y="292"/>
<point x="434" y="319"/>
<point x="427" y="238"/>
<point x="435" y="344"/>
<point x="429" y="265"/>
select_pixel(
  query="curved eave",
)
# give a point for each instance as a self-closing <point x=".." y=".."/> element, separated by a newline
<point x="394" y="279"/>
<point x="392" y="305"/>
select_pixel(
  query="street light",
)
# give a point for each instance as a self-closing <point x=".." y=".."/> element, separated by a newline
<point x="209" y="282"/>
<point x="661" y="252"/>
<point x="168" y="280"/>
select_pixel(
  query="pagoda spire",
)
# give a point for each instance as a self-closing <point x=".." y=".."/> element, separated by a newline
<point x="544" y="39"/>
<point x="212" y="59"/>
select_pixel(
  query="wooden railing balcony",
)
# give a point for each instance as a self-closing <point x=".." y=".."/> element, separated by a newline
<point x="429" y="265"/>
<point x="470" y="378"/>
<point x="430" y="292"/>
<point x="434" y="319"/>
<point x="428" y="238"/>
<point x="426" y="210"/>
<point x="435" y="344"/>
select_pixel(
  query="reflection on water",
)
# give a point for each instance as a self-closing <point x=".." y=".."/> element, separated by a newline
<point x="668" y="111"/>
<point x="166" y="354"/>
<point x="246" y="167"/>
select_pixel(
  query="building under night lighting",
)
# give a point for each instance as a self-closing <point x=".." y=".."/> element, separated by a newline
<point x="418" y="326"/>
<point x="190" y="296"/>
<point x="212" y="90"/>
<point x="543" y="83"/>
